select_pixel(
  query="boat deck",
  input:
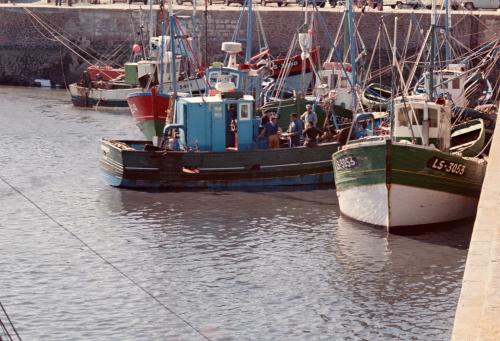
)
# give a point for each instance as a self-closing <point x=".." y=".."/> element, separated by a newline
<point x="478" y="311"/>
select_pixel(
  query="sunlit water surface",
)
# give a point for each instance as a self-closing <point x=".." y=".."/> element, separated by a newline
<point x="275" y="265"/>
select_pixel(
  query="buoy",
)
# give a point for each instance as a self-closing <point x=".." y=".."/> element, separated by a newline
<point x="136" y="48"/>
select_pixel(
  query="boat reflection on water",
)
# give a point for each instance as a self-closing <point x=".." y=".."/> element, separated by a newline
<point x="225" y="213"/>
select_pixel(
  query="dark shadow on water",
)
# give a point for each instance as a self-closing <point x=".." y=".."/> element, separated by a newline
<point x="227" y="191"/>
<point x="455" y="234"/>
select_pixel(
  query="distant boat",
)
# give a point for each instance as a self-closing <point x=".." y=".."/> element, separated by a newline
<point x="111" y="94"/>
<point x="102" y="86"/>
<point x="376" y="97"/>
<point x="150" y="103"/>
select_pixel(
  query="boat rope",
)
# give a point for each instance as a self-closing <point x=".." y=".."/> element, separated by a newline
<point x="104" y="259"/>
<point x="368" y="70"/>
<point x="262" y="34"/>
<point x="62" y="69"/>
<point x="5" y="331"/>
<point x="10" y="323"/>
<point x="59" y="38"/>
<point x="57" y="34"/>
<point x="485" y="146"/>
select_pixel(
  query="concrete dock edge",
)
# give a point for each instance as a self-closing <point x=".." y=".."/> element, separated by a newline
<point x="478" y="311"/>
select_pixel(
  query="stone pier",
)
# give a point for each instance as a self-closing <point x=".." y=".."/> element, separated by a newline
<point x="478" y="311"/>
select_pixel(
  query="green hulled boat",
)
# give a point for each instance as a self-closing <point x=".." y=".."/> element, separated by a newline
<point x="411" y="178"/>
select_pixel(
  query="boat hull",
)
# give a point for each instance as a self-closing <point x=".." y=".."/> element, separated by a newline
<point x="133" y="167"/>
<point x="90" y="97"/>
<point x="400" y="185"/>
<point x="149" y="108"/>
<point x="149" y="111"/>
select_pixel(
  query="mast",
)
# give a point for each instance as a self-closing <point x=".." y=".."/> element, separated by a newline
<point x="205" y="61"/>
<point x="447" y="21"/>
<point x="430" y="91"/>
<point x="249" y="32"/>
<point x="193" y="34"/>
<point x="172" y="46"/>
<point x="150" y="29"/>
<point x="393" y="75"/>
<point x="352" y="43"/>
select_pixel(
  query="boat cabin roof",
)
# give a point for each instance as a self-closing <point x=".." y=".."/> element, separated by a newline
<point x="213" y="99"/>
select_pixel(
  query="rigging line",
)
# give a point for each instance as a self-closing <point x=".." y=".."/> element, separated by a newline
<point x="70" y="48"/>
<point x="8" y="318"/>
<point x="114" y="267"/>
<point x="62" y="69"/>
<point x="5" y="331"/>
<point x="60" y="37"/>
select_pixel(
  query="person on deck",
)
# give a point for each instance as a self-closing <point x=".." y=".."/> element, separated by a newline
<point x="270" y="132"/>
<point x="295" y="130"/>
<point x="309" y="115"/>
<point x="311" y="135"/>
<point x="266" y="117"/>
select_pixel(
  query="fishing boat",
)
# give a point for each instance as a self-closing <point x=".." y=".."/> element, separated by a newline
<point x="468" y="138"/>
<point x="376" y="96"/>
<point x="466" y="88"/>
<point x="200" y="151"/>
<point x="101" y="94"/>
<point x="171" y="69"/>
<point x="102" y="86"/>
<point x="412" y="177"/>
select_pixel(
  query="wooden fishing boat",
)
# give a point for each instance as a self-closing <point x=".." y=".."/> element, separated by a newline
<point x="200" y="151"/>
<point x="101" y="94"/>
<point x="376" y="97"/>
<point x="468" y="138"/>
<point x="411" y="178"/>
<point x="170" y="69"/>
<point x="102" y="86"/>
<point x="466" y="88"/>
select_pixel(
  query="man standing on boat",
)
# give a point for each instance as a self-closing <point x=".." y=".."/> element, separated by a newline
<point x="309" y="115"/>
<point x="295" y="130"/>
<point x="270" y="132"/>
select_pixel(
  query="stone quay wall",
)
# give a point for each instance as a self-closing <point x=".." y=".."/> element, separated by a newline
<point x="28" y="51"/>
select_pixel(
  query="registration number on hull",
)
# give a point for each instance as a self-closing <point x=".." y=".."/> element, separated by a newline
<point x="346" y="162"/>
<point x="446" y="166"/>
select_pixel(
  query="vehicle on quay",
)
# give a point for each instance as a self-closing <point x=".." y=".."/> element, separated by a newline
<point x="481" y="4"/>
<point x="454" y="4"/>
<point x="278" y="2"/>
<point x="317" y="3"/>
<point x="403" y="3"/>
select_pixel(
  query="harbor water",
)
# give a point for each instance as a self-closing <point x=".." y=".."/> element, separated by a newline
<point x="80" y="260"/>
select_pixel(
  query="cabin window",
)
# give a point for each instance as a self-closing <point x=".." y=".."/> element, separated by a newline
<point x="455" y="83"/>
<point x="343" y="82"/>
<point x="213" y="77"/>
<point x="234" y="77"/>
<point x="333" y="81"/>
<point x="402" y="117"/>
<point x="245" y="111"/>
<point x="445" y="83"/>
<point x="216" y="110"/>
<point x="419" y="114"/>
<point x="433" y="118"/>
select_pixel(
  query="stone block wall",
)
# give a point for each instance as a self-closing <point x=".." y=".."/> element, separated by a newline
<point x="29" y="52"/>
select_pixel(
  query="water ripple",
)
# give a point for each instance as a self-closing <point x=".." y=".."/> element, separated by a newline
<point x="238" y="266"/>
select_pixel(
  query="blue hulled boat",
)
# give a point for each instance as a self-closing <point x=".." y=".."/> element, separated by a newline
<point x="202" y="149"/>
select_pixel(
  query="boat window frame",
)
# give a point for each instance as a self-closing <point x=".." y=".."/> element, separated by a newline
<point x="235" y="76"/>
<point x="210" y="76"/>
<point x="248" y="111"/>
<point x="455" y="83"/>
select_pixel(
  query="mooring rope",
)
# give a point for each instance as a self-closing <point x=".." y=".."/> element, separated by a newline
<point x="96" y="253"/>
<point x="10" y="322"/>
